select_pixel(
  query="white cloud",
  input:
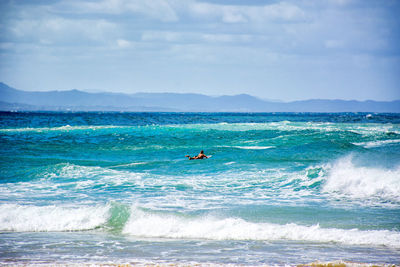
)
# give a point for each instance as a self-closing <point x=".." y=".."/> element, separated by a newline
<point x="194" y="37"/>
<point x="227" y="38"/>
<point x="165" y="36"/>
<point x="233" y="17"/>
<point x="334" y="43"/>
<point x="123" y="43"/>
<point x="239" y="14"/>
<point x="49" y="30"/>
<point x="340" y="2"/>
<point x="172" y="10"/>
<point x="157" y="9"/>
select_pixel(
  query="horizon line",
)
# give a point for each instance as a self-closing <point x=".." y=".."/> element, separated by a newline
<point x="88" y="91"/>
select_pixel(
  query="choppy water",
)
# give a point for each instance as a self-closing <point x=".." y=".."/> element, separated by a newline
<point x="278" y="189"/>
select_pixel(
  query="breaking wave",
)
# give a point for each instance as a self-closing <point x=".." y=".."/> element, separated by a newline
<point x="149" y="224"/>
<point x="28" y="218"/>
<point x="362" y="182"/>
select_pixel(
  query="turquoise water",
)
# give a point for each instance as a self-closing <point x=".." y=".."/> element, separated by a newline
<point x="279" y="189"/>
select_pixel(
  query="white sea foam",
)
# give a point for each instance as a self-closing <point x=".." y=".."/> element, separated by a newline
<point x="359" y="128"/>
<point x="254" y="147"/>
<point x="346" y="179"/>
<point x="99" y="175"/>
<point x="131" y="164"/>
<point x="65" y="128"/>
<point x="283" y="126"/>
<point x="370" y="129"/>
<point x="250" y="147"/>
<point x="377" y="143"/>
<point x="69" y="183"/>
<point x="28" y="218"/>
<point x="145" y="224"/>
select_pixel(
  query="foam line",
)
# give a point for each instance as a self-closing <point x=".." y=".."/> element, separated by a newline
<point x="364" y="129"/>
<point x="379" y="143"/>
<point x="145" y="224"/>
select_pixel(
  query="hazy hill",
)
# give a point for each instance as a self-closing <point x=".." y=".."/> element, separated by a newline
<point x="13" y="99"/>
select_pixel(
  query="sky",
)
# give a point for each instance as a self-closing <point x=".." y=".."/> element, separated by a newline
<point x="281" y="50"/>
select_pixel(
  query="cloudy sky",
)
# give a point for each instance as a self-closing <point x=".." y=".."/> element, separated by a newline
<point x="287" y="50"/>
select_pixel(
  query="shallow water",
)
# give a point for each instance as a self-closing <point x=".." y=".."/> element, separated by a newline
<point x="278" y="189"/>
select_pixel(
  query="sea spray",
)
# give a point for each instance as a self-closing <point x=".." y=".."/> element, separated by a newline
<point x="363" y="182"/>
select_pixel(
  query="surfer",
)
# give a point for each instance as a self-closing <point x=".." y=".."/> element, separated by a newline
<point x="201" y="155"/>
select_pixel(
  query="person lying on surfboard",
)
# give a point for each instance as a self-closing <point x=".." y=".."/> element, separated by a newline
<point x="201" y="155"/>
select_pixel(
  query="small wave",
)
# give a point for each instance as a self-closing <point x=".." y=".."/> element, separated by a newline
<point x="28" y="218"/>
<point x="372" y="129"/>
<point x="282" y="126"/>
<point x="372" y="144"/>
<point x="82" y="173"/>
<point x="151" y="225"/>
<point x="65" y="128"/>
<point x="347" y="179"/>
<point x="358" y="128"/>
<point x="250" y="147"/>
<point x="254" y="147"/>
<point x="130" y="164"/>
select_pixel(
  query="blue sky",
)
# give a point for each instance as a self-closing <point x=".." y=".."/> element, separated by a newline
<point x="287" y="50"/>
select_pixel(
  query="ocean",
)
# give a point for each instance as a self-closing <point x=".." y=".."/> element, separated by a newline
<point x="279" y="188"/>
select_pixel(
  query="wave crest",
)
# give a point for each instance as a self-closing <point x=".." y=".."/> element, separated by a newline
<point x="137" y="222"/>
<point x="27" y="218"/>
<point x="150" y="225"/>
<point x="345" y="178"/>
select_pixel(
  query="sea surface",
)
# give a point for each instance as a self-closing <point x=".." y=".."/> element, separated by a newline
<point x="279" y="189"/>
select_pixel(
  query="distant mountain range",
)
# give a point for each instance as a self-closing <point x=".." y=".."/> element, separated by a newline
<point x="12" y="99"/>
